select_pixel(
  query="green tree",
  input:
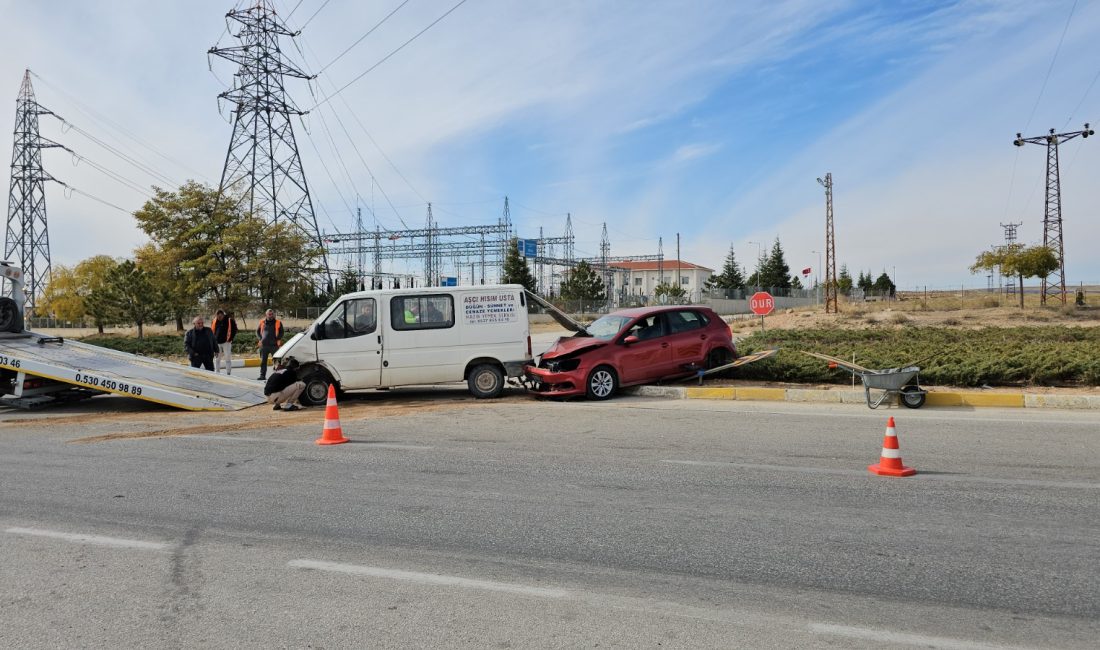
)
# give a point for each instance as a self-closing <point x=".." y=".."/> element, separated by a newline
<point x="224" y="254"/>
<point x="582" y="283"/>
<point x="347" y="282"/>
<point x="515" y="268"/>
<point x="132" y="294"/>
<point x="670" y="290"/>
<point x="1018" y="260"/>
<point x="774" y="272"/>
<point x="731" y="277"/>
<point x="844" y="281"/>
<point x="796" y="282"/>
<point x="883" y="285"/>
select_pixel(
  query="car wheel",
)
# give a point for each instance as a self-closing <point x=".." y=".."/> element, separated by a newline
<point x="316" y="391"/>
<point x="486" y="381"/>
<point x="718" y="357"/>
<point x="913" y="397"/>
<point x="602" y="383"/>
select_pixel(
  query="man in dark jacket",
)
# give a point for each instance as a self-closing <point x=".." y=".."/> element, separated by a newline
<point x="269" y="336"/>
<point x="199" y="345"/>
<point x="225" y="330"/>
<point x="283" y="388"/>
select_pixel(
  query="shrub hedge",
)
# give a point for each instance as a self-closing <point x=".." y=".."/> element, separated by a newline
<point x="169" y="345"/>
<point x="995" y="356"/>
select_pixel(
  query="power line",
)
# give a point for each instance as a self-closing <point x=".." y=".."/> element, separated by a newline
<point x="1083" y="98"/>
<point x="1051" y="68"/>
<point x="387" y="57"/>
<point x="361" y="38"/>
<point x="323" y="5"/>
<point x="95" y="116"/>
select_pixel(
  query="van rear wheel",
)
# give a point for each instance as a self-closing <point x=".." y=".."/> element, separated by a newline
<point x="316" y="390"/>
<point x="486" y="381"/>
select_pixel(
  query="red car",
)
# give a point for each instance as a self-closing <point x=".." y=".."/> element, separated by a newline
<point x="633" y="346"/>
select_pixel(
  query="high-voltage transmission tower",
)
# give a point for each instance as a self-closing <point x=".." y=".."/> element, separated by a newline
<point x="1010" y="232"/>
<point x="263" y="170"/>
<point x="27" y="239"/>
<point x="1052" y="213"/>
<point x="831" y="304"/>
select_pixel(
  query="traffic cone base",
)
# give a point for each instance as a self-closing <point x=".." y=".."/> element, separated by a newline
<point x="332" y="433"/>
<point x="889" y="462"/>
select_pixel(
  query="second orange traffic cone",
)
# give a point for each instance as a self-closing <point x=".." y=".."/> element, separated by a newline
<point x="332" y="434"/>
<point x="889" y="463"/>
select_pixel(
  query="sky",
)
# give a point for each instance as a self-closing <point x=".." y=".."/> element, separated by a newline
<point x="707" y="120"/>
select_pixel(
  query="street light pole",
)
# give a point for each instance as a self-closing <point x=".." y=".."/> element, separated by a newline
<point x="759" y="257"/>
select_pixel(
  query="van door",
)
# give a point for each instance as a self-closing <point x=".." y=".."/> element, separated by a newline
<point x="349" y="340"/>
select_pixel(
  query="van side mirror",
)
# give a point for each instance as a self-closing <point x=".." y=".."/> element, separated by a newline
<point x="317" y="334"/>
<point x="630" y="340"/>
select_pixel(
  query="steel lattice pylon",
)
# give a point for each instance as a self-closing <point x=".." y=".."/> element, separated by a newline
<point x="1052" y="212"/>
<point x="832" y="306"/>
<point x="27" y="239"/>
<point x="263" y="169"/>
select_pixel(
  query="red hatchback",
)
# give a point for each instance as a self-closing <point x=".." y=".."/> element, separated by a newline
<point x="633" y="346"/>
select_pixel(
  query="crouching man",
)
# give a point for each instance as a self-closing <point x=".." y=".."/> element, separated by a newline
<point x="283" y="388"/>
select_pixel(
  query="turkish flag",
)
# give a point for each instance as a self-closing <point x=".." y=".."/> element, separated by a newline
<point x="806" y="271"/>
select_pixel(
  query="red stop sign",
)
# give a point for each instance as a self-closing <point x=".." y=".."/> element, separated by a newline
<point x="762" y="303"/>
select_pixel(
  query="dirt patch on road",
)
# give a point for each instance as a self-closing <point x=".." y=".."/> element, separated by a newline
<point x="358" y="409"/>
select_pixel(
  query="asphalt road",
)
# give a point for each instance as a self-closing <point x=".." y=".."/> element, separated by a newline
<point x="632" y="523"/>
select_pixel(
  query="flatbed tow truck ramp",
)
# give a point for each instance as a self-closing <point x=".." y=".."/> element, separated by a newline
<point x="39" y="369"/>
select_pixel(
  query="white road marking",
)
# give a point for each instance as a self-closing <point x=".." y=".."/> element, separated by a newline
<point x="98" y="540"/>
<point x="723" y="615"/>
<point x="951" y="478"/>
<point x="429" y="578"/>
<point x="888" y="636"/>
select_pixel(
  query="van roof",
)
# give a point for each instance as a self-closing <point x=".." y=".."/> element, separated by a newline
<point x="429" y="290"/>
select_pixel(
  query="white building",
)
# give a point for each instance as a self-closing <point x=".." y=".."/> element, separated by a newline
<point x="642" y="278"/>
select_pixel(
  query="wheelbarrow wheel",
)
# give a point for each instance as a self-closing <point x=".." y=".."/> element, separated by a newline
<point x="913" y="397"/>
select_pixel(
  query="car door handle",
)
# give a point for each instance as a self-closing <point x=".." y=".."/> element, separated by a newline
<point x="703" y="336"/>
<point x="664" y="345"/>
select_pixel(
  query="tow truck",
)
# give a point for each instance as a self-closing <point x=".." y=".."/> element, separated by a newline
<point x="37" y="369"/>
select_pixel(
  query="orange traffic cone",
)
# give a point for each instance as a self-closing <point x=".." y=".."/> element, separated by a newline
<point x="889" y="463"/>
<point x="333" y="434"/>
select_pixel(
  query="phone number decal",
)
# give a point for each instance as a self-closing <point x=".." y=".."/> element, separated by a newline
<point x="107" y="384"/>
<point x="10" y="362"/>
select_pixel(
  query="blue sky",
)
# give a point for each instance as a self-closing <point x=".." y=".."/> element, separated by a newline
<point x="707" y="119"/>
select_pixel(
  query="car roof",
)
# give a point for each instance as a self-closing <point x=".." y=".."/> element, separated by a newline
<point x="637" y="312"/>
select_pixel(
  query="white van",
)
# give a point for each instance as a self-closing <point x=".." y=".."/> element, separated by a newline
<point x="401" y="337"/>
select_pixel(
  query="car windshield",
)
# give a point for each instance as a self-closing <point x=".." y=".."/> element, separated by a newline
<point x="607" y="326"/>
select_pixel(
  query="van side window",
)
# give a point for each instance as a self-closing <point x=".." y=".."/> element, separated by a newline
<point x="350" y="319"/>
<point x="423" y="312"/>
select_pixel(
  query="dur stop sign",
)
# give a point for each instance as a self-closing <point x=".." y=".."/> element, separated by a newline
<point x="762" y="303"/>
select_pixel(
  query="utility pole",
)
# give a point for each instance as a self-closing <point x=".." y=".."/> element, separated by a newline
<point x="1052" y="213"/>
<point x="677" y="283"/>
<point x="27" y="238"/>
<point x="430" y="270"/>
<point x="263" y="170"/>
<point x="605" y="254"/>
<point x="1010" y="239"/>
<point x="832" y="306"/>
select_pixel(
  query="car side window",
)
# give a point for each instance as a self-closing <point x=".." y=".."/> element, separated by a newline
<point x="422" y="312"/>
<point x="350" y="319"/>
<point x="685" y="321"/>
<point x="647" y="328"/>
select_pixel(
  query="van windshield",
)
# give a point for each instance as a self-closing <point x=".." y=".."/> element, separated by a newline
<point x="606" y="327"/>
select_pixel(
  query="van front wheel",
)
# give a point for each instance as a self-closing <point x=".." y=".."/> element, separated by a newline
<point x="316" y="391"/>
<point x="486" y="381"/>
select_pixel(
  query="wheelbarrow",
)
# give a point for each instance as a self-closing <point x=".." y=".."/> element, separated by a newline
<point x="902" y="383"/>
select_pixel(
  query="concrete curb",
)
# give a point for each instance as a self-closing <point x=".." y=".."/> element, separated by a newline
<point x="846" y="396"/>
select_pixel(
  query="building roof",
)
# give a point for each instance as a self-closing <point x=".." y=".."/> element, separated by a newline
<point x="653" y="266"/>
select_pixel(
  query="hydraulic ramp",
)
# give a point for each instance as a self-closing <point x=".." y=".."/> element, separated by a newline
<point x="92" y="368"/>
